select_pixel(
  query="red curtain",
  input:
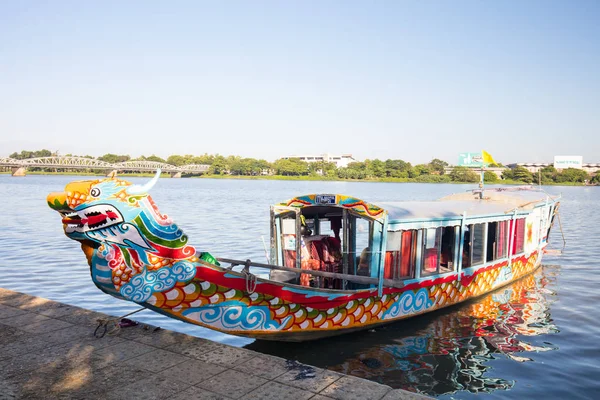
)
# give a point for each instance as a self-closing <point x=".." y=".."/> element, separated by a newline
<point x="405" y="263"/>
<point x="501" y="239"/>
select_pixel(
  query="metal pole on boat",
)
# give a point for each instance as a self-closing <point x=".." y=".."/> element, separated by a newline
<point x="511" y="238"/>
<point x="266" y="250"/>
<point x="382" y="252"/>
<point x="481" y="183"/>
<point x="461" y="244"/>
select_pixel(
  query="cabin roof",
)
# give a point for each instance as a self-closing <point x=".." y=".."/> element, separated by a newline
<point x="494" y="202"/>
<point x="358" y="206"/>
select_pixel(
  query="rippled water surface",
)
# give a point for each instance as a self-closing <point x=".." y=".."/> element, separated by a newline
<point x="537" y="337"/>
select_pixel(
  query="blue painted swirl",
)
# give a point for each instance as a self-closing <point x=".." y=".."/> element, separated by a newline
<point x="143" y="285"/>
<point x="168" y="232"/>
<point x="409" y="303"/>
<point x="235" y="315"/>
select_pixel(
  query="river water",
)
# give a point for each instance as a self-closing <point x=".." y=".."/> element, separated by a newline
<point x="537" y="337"/>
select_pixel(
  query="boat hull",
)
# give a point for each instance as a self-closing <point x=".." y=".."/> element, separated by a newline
<point x="219" y="299"/>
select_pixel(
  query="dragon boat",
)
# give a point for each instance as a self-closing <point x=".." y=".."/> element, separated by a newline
<point x="337" y="263"/>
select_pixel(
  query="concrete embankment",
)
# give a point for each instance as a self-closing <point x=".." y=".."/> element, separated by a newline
<point x="48" y="350"/>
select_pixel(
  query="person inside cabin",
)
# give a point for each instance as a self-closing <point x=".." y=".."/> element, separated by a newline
<point x="335" y="243"/>
<point x="364" y="262"/>
<point x="307" y="262"/>
<point x="466" y="256"/>
<point x="305" y="233"/>
<point x="336" y="226"/>
<point x="446" y="250"/>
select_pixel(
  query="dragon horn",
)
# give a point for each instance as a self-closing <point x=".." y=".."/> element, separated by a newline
<point x="139" y="189"/>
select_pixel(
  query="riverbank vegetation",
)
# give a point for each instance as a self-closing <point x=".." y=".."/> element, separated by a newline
<point x="436" y="171"/>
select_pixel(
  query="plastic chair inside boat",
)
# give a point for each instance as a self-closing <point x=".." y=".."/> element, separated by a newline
<point x="331" y="257"/>
<point x="324" y="256"/>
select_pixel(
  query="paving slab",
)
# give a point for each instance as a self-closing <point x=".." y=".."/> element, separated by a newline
<point x="227" y="356"/>
<point x="6" y="311"/>
<point x="309" y="378"/>
<point x="157" y="360"/>
<point x="163" y="339"/>
<point x="352" y="388"/>
<point x="399" y="394"/>
<point x="9" y="335"/>
<point x="264" y="366"/>
<point x="232" y="383"/>
<point x="120" y="352"/>
<point x="45" y="326"/>
<point x="16" y="299"/>
<point x="48" y="350"/>
<point x="196" y="393"/>
<point x="151" y="388"/>
<point x="276" y="391"/>
<point x="55" y="310"/>
<point x="26" y="318"/>
<point x="195" y="348"/>
<point x="193" y="371"/>
<point x="79" y="316"/>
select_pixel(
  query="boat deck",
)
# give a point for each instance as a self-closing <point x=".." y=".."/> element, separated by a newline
<point x="48" y="350"/>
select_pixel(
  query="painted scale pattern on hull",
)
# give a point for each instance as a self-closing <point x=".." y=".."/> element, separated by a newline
<point x="236" y="311"/>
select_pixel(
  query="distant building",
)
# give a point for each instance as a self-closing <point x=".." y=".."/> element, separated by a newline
<point x="340" y="161"/>
<point x="531" y="167"/>
<point x="590" y="168"/>
<point x="496" y="170"/>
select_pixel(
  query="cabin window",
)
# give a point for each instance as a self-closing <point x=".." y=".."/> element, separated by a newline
<point x="519" y="236"/>
<point x="502" y="239"/>
<point x="431" y="251"/>
<point x="400" y="255"/>
<point x="492" y="235"/>
<point x="408" y="254"/>
<point x="497" y="243"/>
<point x="362" y="245"/>
<point x="466" y="256"/>
<point x="447" y="249"/>
<point x="332" y="227"/>
<point x="288" y="240"/>
<point x="438" y="250"/>
<point x="477" y="243"/>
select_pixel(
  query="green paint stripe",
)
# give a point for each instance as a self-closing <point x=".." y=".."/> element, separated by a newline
<point x="127" y="257"/>
<point x="173" y="244"/>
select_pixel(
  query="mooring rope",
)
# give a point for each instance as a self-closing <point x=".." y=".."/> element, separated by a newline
<point x="103" y="323"/>
<point x="561" y="230"/>
<point x="250" y="278"/>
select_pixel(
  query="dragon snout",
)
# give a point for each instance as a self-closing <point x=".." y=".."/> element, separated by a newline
<point x="58" y="201"/>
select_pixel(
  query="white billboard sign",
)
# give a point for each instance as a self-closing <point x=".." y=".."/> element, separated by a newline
<point x="564" y="162"/>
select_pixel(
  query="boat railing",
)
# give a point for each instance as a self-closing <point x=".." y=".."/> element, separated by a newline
<point x="348" y="277"/>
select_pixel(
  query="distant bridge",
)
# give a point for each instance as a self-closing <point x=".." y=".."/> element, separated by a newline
<point x="19" y="167"/>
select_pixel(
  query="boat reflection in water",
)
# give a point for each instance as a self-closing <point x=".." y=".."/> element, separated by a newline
<point x="447" y="351"/>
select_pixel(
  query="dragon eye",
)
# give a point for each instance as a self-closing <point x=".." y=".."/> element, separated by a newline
<point x="95" y="192"/>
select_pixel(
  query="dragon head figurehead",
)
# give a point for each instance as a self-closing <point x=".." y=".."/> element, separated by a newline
<point x="120" y="227"/>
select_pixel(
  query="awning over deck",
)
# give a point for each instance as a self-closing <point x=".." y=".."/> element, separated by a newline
<point x="494" y="202"/>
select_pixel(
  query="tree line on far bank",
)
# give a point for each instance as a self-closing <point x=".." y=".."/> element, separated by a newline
<point x="393" y="170"/>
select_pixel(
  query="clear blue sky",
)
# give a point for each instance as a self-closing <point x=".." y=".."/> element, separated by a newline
<point x="409" y="80"/>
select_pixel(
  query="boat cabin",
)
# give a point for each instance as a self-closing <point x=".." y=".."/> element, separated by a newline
<point x="394" y="244"/>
